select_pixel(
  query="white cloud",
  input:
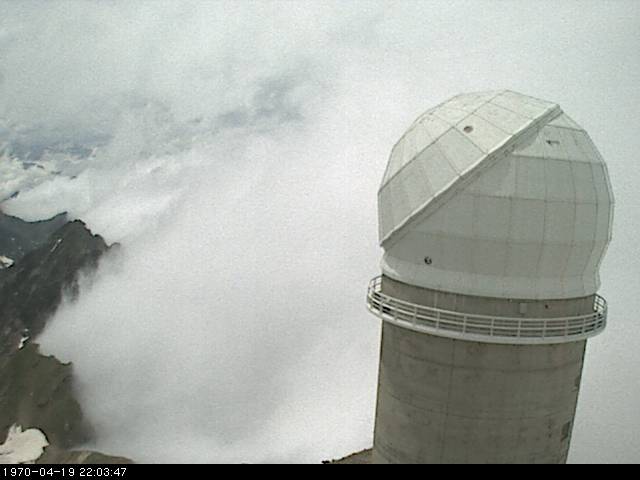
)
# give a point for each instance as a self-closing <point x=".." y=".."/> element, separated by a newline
<point x="238" y="149"/>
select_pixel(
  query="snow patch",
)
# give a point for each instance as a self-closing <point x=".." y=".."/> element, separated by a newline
<point x="23" y="447"/>
<point x="5" y="262"/>
<point x="23" y="342"/>
<point x="55" y="247"/>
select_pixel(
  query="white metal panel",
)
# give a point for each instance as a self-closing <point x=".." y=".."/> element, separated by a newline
<point x="547" y="288"/>
<point x="533" y="147"/>
<point x="468" y="282"/>
<point x="456" y="219"/>
<point x="596" y="255"/>
<point x="611" y="201"/>
<point x="603" y="222"/>
<point x="518" y="284"/>
<point x="399" y="200"/>
<point x="395" y="161"/>
<point x="583" y="181"/>
<point x="434" y="126"/>
<point x="559" y="220"/>
<point x="586" y="223"/>
<point x="450" y="115"/>
<point x="471" y="101"/>
<point x="565" y="122"/>
<point x="460" y="222"/>
<point x="406" y="261"/>
<point x="523" y="261"/>
<point x="439" y="221"/>
<point x="483" y="134"/>
<point x="559" y="181"/>
<point x="531" y="100"/>
<point x="491" y="217"/>
<point x="607" y="179"/>
<point x="439" y="172"/>
<point x="415" y="247"/>
<point x="570" y="145"/>
<point x="417" y="138"/>
<point x="588" y="148"/>
<point x="527" y="220"/>
<point x="489" y="256"/>
<point x="499" y="180"/>
<point x="506" y="120"/>
<point x="457" y="256"/>
<point x="393" y="267"/>
<point x="601" y="184"/>
<point x="409" y="148"/>
<point x="433" y="249"/>
<point x="578" y="258"/>
<point x="591" y="283"/>
<point x="459" y="151"/>
<point x="414" y="180"/>
<point x="423" y="137"/>
<point x="611" y="215"/>
<point x="516" y="103"/>
<point x="386" y="221"/>
<point x="553" y="262"/>
<point x="553" y="143"/>
<point x="530" y="178"/>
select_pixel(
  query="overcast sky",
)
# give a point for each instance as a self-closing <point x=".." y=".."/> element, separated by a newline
<point x="237" y="150"/>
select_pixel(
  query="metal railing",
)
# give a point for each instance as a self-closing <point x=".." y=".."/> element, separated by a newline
<point x="485" y="328"/>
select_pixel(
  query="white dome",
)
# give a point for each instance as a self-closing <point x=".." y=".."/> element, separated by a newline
<point x="496" y="194"/>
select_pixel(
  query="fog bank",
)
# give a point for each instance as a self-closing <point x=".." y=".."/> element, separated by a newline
<point x="235" y="150"/>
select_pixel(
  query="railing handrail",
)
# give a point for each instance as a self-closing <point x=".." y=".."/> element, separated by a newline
<point x="485" y="328"/>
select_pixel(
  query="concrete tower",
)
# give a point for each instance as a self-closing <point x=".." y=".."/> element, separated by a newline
<point x="495" y="212"/>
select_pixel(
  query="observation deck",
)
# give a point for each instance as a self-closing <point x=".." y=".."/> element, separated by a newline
<point x="485" y="328"/>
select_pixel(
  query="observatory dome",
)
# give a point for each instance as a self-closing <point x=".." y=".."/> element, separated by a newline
<point x="496" y="194"/>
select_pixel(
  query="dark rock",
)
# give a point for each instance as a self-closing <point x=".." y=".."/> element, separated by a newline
<point x="33" y="288"/>
<point x="360" y="458"/>
<point x="53" y="455"/>
<point x="36" y="392"/>
<point x="17" y="237"/>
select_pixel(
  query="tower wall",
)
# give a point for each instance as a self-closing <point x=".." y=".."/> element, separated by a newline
<point x="442" y="400"/>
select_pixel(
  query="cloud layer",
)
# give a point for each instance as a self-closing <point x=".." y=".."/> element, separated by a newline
<point x="235" y="149"/>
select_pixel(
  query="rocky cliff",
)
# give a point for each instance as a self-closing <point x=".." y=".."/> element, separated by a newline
<point x="37" y="391"/>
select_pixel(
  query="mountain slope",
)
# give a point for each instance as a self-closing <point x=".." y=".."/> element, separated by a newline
<point x="36" y="391"/>
<point x="17" y="237"/>
<point x="32" y="289"/>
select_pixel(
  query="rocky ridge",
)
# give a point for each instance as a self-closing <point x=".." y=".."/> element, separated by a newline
<point x="37" y="391"/>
